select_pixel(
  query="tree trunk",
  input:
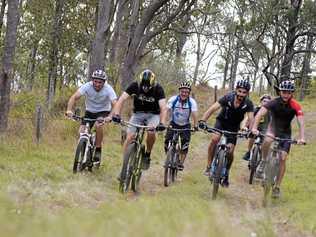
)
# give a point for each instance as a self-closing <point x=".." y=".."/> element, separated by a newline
<point x="53" y="55"/>
<point x="235" y="65"/>
<point x="2" y="9"/>
<point x="198" y="59"/>
<point x="97" y="60"/>
<point x="306" y="69"/>
<point x="30" y="69"/>
<point x="7" y="62"/>
<point x="290" y="39"/>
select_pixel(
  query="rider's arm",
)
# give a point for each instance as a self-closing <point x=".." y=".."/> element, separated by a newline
<point x="214" y="107"/>
<point x="163" y="111"/>
<point x="118" y="105"/>
<point x="194" y="118"/>
<point x="300" y="122"/>
<point x="72" y="101"/>
<point x="262" y="112"/>
<point x="250" y="116"/>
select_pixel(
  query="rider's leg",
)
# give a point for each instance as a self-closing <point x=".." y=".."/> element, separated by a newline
<point x="151" y="138"/>
<point x="265" y="151"/>
<point x="168" y="137"/>
<point x="211" y="148"/>
<point x="230" y="155"/>
<point x="99" y="134"/>
<point x="129" y="138"/>
<point x="250" y="144"/>
<point x="284" y="156"/>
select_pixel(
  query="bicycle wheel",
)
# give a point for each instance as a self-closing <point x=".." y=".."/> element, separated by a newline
<point x="168" y="167"/>
<point x="254" y="162"/>
<point x="79" y="156"/>
<point x="220" y="164"/>
<point x="174" y="169"/>
<point x="137" y="172"/>
<point x="127" y="167"/>
<point x="270" y="174"/>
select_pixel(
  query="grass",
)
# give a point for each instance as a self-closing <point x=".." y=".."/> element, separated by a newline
<point x="39" y="195"/>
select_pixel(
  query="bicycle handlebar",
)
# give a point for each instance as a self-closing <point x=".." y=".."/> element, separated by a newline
<point x="279" y="139"/>
<point x="77" y="118"/>
<point x="126" y="123"/>
<point x="224" y="132"/>
<point x="181" y="129"/>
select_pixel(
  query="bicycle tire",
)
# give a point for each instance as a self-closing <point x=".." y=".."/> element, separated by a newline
<point x="254" y="162"/>
<point x="79" y="155"/>
<point x="137" y="172"/>
<point x="174" y="169"/>
<point x="220" y="163"/>
<point x="126" y="171"/>
<point x="270" y="175"/>
<point x="168" y="167"/>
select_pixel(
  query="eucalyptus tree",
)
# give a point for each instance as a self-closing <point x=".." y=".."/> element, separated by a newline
<point x="2" y="11"/>
<point x="6" y="69"/>
<point x="147" y="20"/>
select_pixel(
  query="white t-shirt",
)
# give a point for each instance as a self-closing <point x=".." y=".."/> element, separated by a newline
<point x="181" y="112"/>
<point x="97" y="101"/>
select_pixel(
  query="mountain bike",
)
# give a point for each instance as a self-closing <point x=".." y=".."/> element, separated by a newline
<point x="255" y="157"/>
<point x="131" y="171"/>
<point x="219" y="163"/>
<point x="173" y="153"/>
<point x="272" y="167"/>
<point x="86" y="146"/>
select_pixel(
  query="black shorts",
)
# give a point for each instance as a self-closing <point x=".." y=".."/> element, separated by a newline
<point x="223" y="126"/>
<point x="184" y="135"/>
<point x="284" y="145"/>
<point x="96" y="115"/>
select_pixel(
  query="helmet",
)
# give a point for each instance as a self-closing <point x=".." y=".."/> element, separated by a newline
<point x="287" y="86"/>
<point x="265" y="96"/>
<point x="99" y="74"/>
<point x="185" y="84"/>
<point x="147" y="79"/>
<point x="243" y="84"/>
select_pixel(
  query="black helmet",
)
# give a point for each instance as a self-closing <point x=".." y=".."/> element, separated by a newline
<point x="99" y="74"/>
<point x="244" y="84"/>
<point x="147" y="79"/>
<point x="185" y="84"/>
<point x="287" y="86"/>
<point x="265" y="96"/>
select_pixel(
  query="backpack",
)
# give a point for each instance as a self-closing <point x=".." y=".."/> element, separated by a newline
<point x="174" y="105"/>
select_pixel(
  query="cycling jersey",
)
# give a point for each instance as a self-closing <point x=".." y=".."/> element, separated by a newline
<point x="282" y="114"/>
<point x="97" y="101"/>
<point x="146" y="102"/>
<point x="181" y="111"/>
<point x="231" y="117"/>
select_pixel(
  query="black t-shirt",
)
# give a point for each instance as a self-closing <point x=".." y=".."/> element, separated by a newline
<point x="282" y="114"/>
<point x="231" y="116"/>
<point x="146" y="102"/>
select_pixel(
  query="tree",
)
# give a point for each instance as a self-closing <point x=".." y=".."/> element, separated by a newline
<point x="7" y="62"/>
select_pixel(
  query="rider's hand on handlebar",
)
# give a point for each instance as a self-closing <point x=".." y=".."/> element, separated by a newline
<point x="69" y="114"/>
<point x="116" y="118"/>
<point x="160" y="127"/>
<point x="202" y="125"/>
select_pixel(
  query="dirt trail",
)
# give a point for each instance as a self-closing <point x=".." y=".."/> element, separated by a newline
<point x="244" y="201"/>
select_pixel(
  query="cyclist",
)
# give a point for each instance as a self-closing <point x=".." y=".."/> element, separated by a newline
<point x="149" y="108"/>
<point x="180" y="108"/>
<point x="234" y="106"/>
<point x="99" y="99"/>
<point x="282" y="109"/>
<point x="263" y="125"/>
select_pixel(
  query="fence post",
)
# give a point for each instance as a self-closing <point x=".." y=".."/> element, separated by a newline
<point x="39" y="117"/>
<point x="215" y="94"/>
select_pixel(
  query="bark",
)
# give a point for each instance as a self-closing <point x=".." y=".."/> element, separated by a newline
<point x="235" y="65"/>
<point x="53" y="54"/>
<point x="6" y="72"/>
<point x="97" y="60"/>
<point x="290" y="39"/>
<point x="2" y="9"/>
